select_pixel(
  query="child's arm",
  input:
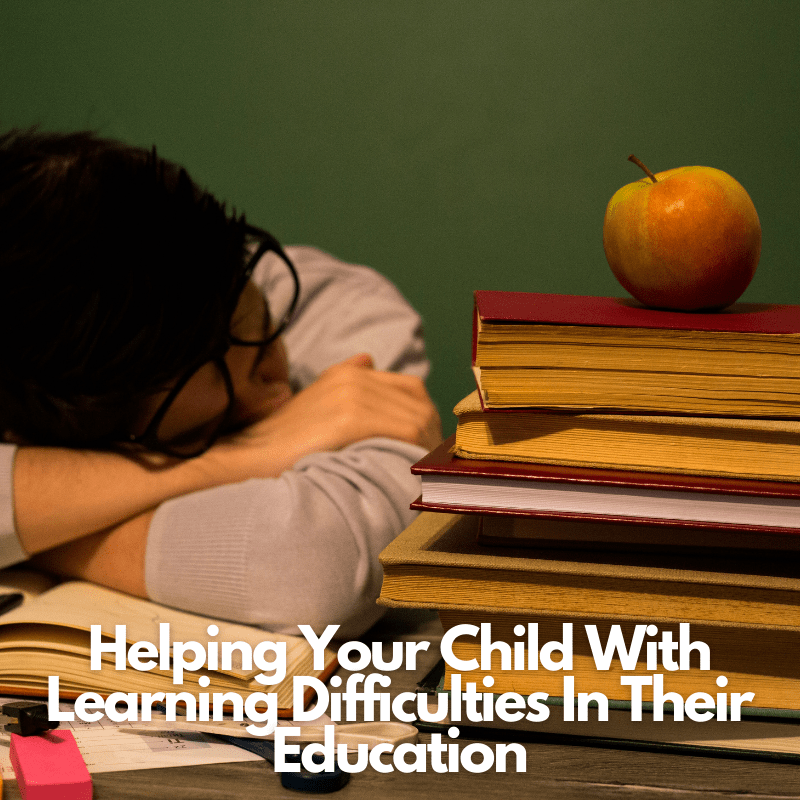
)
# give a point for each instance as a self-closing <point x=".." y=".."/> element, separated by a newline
<point x="300" y="547"/>
<point x="62" y="495"/>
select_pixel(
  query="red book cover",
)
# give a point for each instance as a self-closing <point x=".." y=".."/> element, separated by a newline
<point x="561" y="309"/>
<point x="525" y="489"/>
<point x="614" y="312"/>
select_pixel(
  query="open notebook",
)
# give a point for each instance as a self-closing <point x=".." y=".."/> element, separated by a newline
<point x="49" y="635"/>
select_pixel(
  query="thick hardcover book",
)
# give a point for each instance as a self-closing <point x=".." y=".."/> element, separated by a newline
<point x="564" y="309"/>
<point x="761" y="449"/>
<point x="746" y="610"/>
<point x="757" y="660"/>
<point x="565" y="351"/>
<point x="500" y="487"/>
<point x="774" y="740"/>
<point x="437" y="562"/>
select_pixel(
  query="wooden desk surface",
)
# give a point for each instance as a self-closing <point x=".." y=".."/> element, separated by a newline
<point x="554" y="771"/>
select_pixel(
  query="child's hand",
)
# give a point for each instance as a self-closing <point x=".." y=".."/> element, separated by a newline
<point x="352" y="401"/>
<point x="348" y="403"/>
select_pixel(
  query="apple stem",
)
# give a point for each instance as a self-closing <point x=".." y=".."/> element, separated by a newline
<point x="639" y="164"/>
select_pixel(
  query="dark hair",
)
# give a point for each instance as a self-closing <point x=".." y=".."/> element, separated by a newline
<point x="116" y="272"/>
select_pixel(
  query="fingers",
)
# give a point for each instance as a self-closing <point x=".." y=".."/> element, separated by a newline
<point x="400" y="393"/>
<point x="392" y="410"/>
<point x="391" y="380"/>
<point x="350" y="402"/>
<point x="393" y="394"/>
<point x="361" y="403"/>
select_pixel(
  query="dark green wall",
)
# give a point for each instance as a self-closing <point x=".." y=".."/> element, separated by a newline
<point x="452" y="144"/>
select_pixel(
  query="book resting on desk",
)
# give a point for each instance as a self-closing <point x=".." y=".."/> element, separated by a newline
<point x="759" y="738"/>
<point x="577" y="352"/>
<point x="747" y="610"/>
<point x="438" y="562"/>
<point x="49" y="635"/>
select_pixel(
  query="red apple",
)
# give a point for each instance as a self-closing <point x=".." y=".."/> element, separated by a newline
<point x="685" y="239"/>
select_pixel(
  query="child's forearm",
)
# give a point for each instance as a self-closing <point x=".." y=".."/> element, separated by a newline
<point x="61" y="495"/>
<point x="113" y="558"/>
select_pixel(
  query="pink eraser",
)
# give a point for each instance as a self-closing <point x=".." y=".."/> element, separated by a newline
<point x="49" y="766"/>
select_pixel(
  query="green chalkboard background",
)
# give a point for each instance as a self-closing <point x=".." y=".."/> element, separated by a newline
<point x="451" y="144"/>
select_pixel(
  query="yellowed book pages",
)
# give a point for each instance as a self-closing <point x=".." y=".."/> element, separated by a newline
<point x="712" y="342"/>
<point x="49" y="635"/>
<point x="759" y="734"/>
<point x="649" y="349"/>
<point x="759" y="660"/>
<point x="641" y="391"/>
<point x="725" y="447"/>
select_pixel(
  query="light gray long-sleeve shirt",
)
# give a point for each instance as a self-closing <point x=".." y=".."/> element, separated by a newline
<point x="303" y="547"/>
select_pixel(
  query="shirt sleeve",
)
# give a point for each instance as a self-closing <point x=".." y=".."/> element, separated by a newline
<point x="303" y="548"/>
<point x="11" y="551"/>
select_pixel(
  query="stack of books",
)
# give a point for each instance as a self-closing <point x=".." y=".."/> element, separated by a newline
<point x="597" y="409"/>
<point x="620" y="465"/>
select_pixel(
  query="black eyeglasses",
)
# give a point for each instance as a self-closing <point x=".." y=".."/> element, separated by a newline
<point x="199" y="439"/>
